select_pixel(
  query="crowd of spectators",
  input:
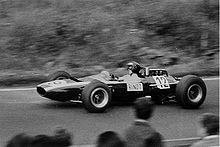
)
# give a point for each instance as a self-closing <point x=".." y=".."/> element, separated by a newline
<point x="139" y="134"/>
<point x="60" y="138"/>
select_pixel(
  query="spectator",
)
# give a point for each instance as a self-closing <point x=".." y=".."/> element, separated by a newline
<point x="19" y="140"/>
<point x="41" y="141"/>
<point x="209" y="131"/>
<point x="139" y="133"/>
<point x="61" y="138"/>
<point x="155" y="140"/>
<point x="109" y="139"/>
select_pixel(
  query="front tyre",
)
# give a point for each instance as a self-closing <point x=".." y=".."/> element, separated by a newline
<point x="96" y="97"/>
<point x="191" y="92"/>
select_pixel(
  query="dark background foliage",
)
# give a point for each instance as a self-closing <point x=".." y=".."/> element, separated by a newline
<point x="52" y="34"/>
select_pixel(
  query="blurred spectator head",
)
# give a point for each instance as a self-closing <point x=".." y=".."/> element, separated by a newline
<point x="61" y="138"/>
<point x="154" y="140"/>
<point x="41" y="141"/>
<point x="109" y="139"/>
<point x="20" y="140"/>
<point x="209" y="123"/>
<point x="143" y="108"/>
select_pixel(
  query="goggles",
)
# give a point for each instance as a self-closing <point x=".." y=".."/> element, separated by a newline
<point x="130" y="67"/>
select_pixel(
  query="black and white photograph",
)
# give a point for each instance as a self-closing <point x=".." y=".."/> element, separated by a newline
<point x="109" y="73"/>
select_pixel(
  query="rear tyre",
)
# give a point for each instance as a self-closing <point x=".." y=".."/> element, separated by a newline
<point x="96" y="97"/>
<point x="191" y="92"/>
<point x="59" y="75"/>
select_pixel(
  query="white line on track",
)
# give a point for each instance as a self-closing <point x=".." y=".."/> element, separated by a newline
<point x="16" y="89"/>
<point x="28" y="89"/>
<point x="181" y="139"/>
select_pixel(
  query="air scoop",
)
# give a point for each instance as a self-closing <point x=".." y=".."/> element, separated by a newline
<point x="41" y="91"/>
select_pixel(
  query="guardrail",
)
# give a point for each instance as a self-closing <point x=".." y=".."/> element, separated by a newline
<point x="182" y="142"/>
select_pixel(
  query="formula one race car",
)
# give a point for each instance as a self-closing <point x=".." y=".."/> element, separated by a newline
<point x="98" y="91"/>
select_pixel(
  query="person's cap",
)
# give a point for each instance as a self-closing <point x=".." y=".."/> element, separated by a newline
<point x="144" y="103"/>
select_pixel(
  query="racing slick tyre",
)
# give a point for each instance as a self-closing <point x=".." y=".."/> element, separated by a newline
<point x="96" y="97"/>
<point x="191" y="92"/>
<point x="59" y="75"/>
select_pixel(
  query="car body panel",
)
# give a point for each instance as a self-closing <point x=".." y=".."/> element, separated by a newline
<point x="67" y="89"/>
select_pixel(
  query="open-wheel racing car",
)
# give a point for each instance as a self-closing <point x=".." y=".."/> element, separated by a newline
<point x="98" y="91"/>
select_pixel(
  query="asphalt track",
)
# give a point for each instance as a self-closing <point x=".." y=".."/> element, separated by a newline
<point x="23" y="110"/>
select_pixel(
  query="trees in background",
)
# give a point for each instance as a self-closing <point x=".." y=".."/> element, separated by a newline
<point x="77" y="33"/>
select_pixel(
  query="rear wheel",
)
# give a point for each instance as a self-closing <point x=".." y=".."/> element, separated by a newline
<point x="96" y="97"/>
<point x="191" y="92"/>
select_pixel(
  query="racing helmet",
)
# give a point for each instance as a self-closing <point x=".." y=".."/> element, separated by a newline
<point x="133" y="66"/>
<point x="130" y="66"/>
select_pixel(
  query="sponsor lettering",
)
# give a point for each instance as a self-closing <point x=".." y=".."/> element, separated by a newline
<point x="134" y="87"/>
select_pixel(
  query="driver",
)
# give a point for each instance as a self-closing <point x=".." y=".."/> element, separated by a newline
<point x="133" y="71"/>
<point x="133" y="67"/>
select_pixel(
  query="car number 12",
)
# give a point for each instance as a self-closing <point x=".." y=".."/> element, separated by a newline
<point x="161" y="82"/>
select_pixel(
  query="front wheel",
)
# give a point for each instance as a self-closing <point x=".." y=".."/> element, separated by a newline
<point x="191" y="92"/>
<point x="96" y="97"/>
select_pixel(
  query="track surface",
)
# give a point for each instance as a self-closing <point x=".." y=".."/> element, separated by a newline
<point x="26" y="111"/>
